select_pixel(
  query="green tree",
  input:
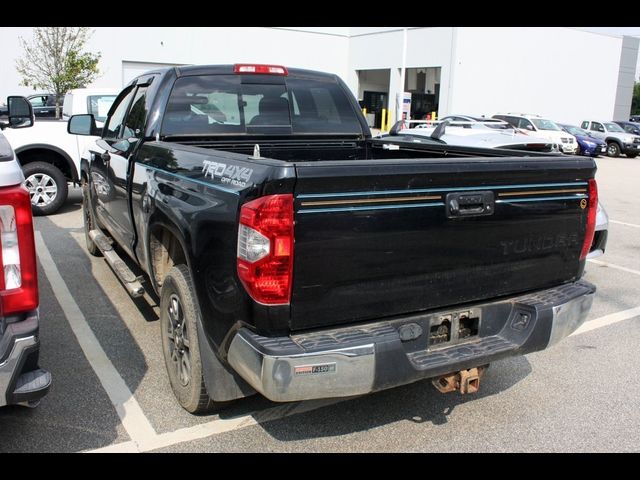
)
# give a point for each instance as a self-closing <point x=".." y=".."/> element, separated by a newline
<point x="55" y="61"/>
<point x="635" y="101"/>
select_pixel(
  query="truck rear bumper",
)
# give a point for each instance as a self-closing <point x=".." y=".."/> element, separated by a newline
<point x="360" y="359"/>
<point x="21" y="380"/>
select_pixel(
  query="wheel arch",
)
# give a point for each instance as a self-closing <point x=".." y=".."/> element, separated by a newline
<point x="41" y="152"/>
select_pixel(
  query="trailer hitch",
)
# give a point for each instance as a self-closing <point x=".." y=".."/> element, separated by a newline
<point x="465" y="381"/>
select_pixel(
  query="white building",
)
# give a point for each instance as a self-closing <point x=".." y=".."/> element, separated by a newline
<point x="566" y="74"/>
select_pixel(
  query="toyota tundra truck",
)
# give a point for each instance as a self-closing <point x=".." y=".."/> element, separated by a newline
<point x="296" y="256"/>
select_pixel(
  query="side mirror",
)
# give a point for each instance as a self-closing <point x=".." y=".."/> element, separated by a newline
<point x="529" y="127"/>
<point x="20" y="112"/>
<point x="84" y="124"/>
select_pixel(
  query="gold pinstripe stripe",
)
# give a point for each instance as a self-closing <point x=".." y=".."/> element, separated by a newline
<point x="370" y="200"/>
<point x="536" y="192"/>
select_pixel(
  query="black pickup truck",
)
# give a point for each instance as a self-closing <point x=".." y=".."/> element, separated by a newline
<point x="295" y="255"/>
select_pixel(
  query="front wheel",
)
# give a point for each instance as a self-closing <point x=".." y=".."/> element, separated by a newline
<point x="613" y="149"/>
<point x="179" y="332"/>
<point x="47" y="187"/>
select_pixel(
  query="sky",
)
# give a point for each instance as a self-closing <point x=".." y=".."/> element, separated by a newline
<point x="632" y="31"/>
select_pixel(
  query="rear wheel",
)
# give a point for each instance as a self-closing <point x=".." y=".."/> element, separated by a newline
<point x="178" y="324"/>
<point x="47" y="187"/>
<point x="89" y="222"/>
<point x="613" y="149"/>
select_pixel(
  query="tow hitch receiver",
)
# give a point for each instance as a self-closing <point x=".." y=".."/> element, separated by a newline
<point x="465" y="381"/>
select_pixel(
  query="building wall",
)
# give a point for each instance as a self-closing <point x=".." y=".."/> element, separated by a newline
<point x="553" y="72"/>
<point x="426" y="47"/>
<point x="550" y="71"/>
<point x="323" y="49"/>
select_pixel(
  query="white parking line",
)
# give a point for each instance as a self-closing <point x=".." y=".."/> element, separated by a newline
<point x="624" y="223"/>
<point x="133" y="419"/>
<point x="607" y="320"/>
<point x="614" y="266"/>
<point x="221" y="425"/>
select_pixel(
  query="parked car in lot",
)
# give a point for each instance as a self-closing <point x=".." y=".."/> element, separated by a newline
<point x="601" y="232"/>
<point x="587" y="144"/>
<point x="22" y="381"/>
<point x="543" y="128"/>
<point x="618" y="141"/>
<point x="50" y="157"/>
<point x="44" y="105"/>
<point x="634" y="118"/>
<point x="629" y="127"/>
<point x="490" y="133"/>
<point x="470" y="119"/>
<point x="296" y="256"/>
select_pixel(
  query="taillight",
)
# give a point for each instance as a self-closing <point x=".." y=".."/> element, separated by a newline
<point x="591" y="219"/>
<point x="261" y="69"/>
<point x="19" y="278"/>
<point x="265" y="248"/>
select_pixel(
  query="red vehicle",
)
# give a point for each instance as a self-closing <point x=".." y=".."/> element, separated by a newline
<point x="21" y="380"/>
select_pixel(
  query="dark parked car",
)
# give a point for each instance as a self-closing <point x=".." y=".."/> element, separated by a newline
<point x="44" y="105"/>
<point x="629" y="127"/>
<point x="587" y="145"/>
<point x="634" y="118"/>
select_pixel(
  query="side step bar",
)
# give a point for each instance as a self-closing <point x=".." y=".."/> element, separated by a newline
<point x="124" y="273"/>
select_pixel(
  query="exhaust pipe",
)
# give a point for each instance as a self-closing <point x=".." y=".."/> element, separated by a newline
<point x="465" y="381"/>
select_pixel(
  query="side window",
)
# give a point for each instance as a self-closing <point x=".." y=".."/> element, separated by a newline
<point x="114" y="123"/>
<point x="134" y="124"/>
<point x="584" y="125"/>
<point x="37" y="101"/>
<point x="597" y="127"/>
<point x="98" y="105"/>
<point x="526" y="124"/>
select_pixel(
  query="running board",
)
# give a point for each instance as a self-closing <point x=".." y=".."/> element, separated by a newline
<point x="125" y="275"/>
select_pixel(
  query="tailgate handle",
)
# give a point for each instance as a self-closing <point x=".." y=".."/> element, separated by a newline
<point x="469" y="204"/>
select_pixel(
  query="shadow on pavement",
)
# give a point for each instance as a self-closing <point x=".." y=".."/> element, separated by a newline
<point x="77" y="413"/>
<point x="418" y="402"/>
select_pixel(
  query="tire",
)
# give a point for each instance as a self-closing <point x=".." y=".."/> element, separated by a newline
<point x="179" y="314"/>
<point x="89" y="221"/>
<point x="47" y="186"/>
<point x="632" y="155"/>
<point x="613" y="149"/>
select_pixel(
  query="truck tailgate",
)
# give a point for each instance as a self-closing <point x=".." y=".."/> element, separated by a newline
<point x="380" y="238"/>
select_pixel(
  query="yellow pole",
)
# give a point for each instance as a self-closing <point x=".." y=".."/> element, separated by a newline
<point x="383" y="123"/>
<point x="364" y="111"/>
<point x="433" y="116"/>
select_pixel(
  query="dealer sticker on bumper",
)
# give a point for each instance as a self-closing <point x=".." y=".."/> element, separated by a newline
<point x="315" y="369"/>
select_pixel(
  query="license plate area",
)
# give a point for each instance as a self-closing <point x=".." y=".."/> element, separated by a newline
<point x="452" y="328"/>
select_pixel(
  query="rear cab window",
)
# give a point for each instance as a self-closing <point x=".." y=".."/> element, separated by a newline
<point x="236" y="104"/>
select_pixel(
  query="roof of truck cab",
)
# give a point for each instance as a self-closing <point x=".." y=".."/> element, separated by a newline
<point x="228" y="69"/>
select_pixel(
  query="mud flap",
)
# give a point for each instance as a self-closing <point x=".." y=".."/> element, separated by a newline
<point x="222" y="383"/>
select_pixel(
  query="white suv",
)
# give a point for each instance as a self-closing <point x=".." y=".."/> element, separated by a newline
<point x="543" y="128"/>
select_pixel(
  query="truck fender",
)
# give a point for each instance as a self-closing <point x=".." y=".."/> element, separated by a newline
<point x="56" y="150"/>
<point x="614" y="140"/>
<point x="223" y="384"/>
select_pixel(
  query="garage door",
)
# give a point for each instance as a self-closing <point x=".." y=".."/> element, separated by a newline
<point x="131" y="70"/>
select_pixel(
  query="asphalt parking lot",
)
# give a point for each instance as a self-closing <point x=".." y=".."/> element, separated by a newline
<point x="110" y="391"/>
